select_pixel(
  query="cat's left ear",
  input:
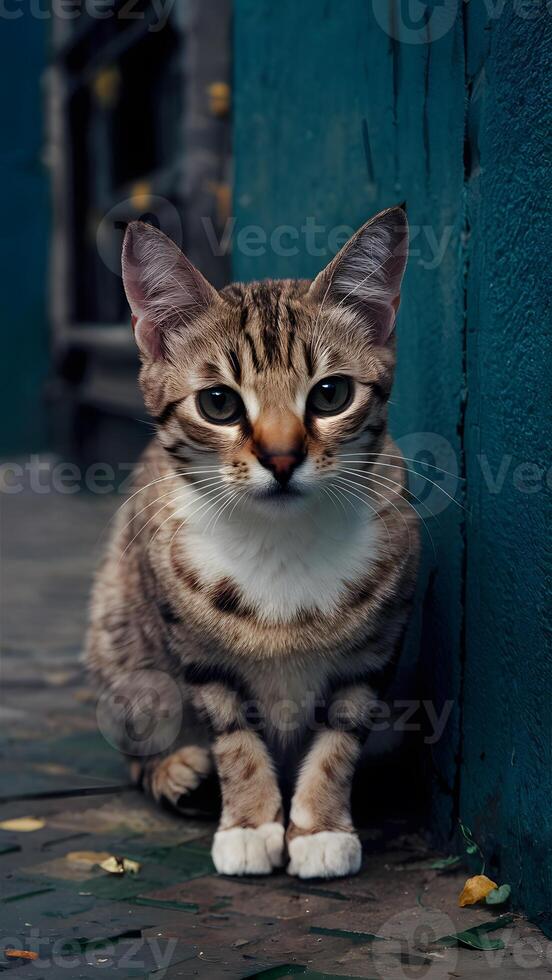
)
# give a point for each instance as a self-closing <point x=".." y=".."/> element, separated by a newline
<point x="365" y="276"/>
<point x="165" y="292"/>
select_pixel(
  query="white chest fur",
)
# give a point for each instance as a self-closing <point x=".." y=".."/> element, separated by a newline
<point x="287" y="559"/>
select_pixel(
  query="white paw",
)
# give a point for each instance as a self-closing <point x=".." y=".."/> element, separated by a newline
<point x="180" y="773"/>
<point x="329" y="854"/>
<point x="248" y="851"/>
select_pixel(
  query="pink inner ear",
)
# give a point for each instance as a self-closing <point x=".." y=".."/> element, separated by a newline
<point x="382" y="321"/>
<point x="148" y="338"/>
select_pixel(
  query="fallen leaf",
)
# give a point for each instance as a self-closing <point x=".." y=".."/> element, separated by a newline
<point x="475" y="890"/>
<point x="352" y="936"/>
<point x="87" y="859"/>
<point x="472" y="939"/>
<point x="132" y="867"/>
<point x="23" y="825"/>
<point x="476" y="937"/>
<point x="118" y="865"/>
<point x="20" y="954"/>
<point x="499" y="896"/>
<point x="51" y="768"/>
<point x="431" y="864"/>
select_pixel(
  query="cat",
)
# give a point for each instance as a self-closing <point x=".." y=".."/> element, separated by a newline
<point x="266" y="561"/>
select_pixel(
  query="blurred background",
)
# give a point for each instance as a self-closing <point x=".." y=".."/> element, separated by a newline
<point x="259" y="136"/>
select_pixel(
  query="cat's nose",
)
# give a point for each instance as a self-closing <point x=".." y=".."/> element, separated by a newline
<point x="279" y="443"/>
<point x="282" y="465"/>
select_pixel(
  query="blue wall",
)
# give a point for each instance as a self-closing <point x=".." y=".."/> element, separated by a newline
<point x="341" y="110"/>
<point x="507" y="752"/>
<point x="24" y="240"/>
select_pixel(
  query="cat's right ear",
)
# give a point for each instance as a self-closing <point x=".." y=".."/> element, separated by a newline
<point x="164" y="290"/>
<point x="365" y="276"/>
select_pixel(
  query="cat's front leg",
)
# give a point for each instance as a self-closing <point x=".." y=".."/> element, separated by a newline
<point x="250" y="835"/>
<point x="321" y="838"/>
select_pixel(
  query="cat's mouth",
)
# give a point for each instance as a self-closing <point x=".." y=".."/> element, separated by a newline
<point x="278" y="493"/>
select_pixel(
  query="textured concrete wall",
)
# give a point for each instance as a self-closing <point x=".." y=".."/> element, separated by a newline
<point x="24" y="242"/>
<point x="506" y="779"/>
<point x="344" y="109"/>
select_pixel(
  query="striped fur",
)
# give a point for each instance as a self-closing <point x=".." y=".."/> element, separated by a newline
<point x="260" y="602"/>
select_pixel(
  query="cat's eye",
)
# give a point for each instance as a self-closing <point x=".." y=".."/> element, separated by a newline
<point x="220" y="405"/>
<point x="330" y="396"/>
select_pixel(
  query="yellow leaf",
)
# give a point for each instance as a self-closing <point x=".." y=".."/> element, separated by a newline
<point x="131" y="866"/>
<point x="118" y="865"/>
<point x="475" y="890"/>
<point x="87" y="859"/>
<point x="20" y="954"/>
<point x="24" y="825"/>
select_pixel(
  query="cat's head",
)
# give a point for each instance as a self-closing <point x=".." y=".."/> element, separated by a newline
<point x="263" y="386"/>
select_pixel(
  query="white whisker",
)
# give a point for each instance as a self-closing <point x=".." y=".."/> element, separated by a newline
<point x="152" y="518"/>
<point x="406" y="459"/>
<point x="170" y="476"/>
<point x="344" y="485"/>
<point x="376" y="462"/>
<point x="332" y="495"/>
<point x="211" y="529"/>
<point x="388" y="485"/>
<point x="170" y="493"/>
<point x="177" y="513"/>
<point x="382" y="496"/>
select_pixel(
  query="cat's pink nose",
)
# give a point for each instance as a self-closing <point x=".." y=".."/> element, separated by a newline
<point x="279" y="443"/>
<point x="281" y="465"/>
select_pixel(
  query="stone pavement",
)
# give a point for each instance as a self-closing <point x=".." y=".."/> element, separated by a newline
<point x="176" y="917"/>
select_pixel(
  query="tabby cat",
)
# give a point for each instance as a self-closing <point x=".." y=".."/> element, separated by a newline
<point x="266" y="561"/>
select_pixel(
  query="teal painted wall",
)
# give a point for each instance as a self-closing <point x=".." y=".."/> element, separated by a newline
<point x="507" y="752"/>
<point x="24" y="241"/>
<point x="341" y="110"/>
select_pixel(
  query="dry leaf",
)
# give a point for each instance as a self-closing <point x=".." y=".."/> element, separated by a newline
<point x="118" y="865"/>
<point x="87" y="859"/>
<point x="24" y="825"/>
<point x="51" y="768"/>
<point x="132" y="867"/>
<point x="20" y="954"/>
<point x="475" y="890"/>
